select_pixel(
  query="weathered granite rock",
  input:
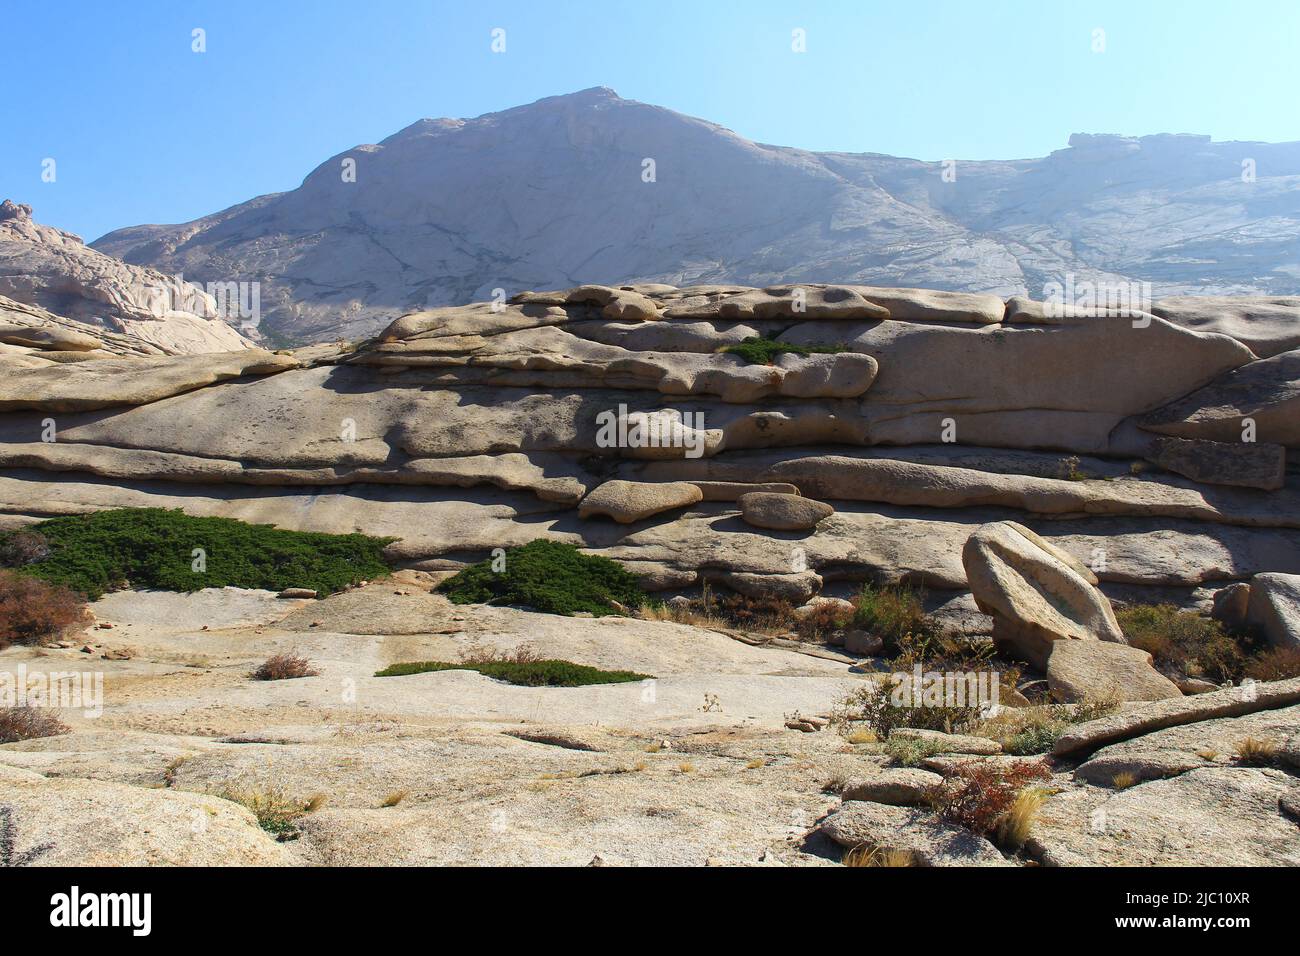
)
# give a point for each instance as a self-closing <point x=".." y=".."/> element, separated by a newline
<point x="617" y="304"/>
<point x="1095" y="670"/>
<point x="864" y="643"/>
<point x="734" y="490"/>
<point x="1247" y="464"/>
<point x="796" y="587"/>
<point x="1037" y="593"/>
<point x="628" y="501"/>
<point x="1265" y="393"/>
<point x="898" y="786"/>
<point x="950" y="743"/>
<point x="1175" y="750"/>
<point x="85" y="386"/>
<point x="797" y="302"/>
<point x="1231" y="603"/>
<point x="49" y="337"/>
<point x="1088" y="375"/>
<point x="1268" y="325"/>
<point x="1230" y="702"/>
<point x="49" y="268"/>
<point x="1214" y="816"/>
<point x="71" y="822"/>
<point x="782" y="512"/>
<point x="1274" y="608"/>
<point x="913" y="831"/>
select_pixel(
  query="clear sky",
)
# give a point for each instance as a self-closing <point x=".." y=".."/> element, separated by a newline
<point x="143" y="129"/>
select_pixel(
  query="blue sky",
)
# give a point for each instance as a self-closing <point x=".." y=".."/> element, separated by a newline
<point x="143" y="129"/>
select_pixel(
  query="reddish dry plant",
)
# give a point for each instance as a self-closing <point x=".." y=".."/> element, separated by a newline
<point x="978" y="794"/>
<point x="284" y="667"/>
<point x="27" y="723"/>
<point x="33" y="611"/>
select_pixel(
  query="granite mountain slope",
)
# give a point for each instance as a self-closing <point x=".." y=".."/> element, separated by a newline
<point x="555" y="194"/>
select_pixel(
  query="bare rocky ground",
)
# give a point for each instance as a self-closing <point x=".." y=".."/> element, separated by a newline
<point x="696" y="768"/>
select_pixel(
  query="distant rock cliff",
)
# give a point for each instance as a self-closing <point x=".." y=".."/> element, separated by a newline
<point x="53" y="271"/>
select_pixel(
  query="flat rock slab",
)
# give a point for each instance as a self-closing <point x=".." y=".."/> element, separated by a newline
<point x="1095" y="670"/>
<point x="1175" y="750"/>
<point x="375" y="609"/>
<point x="69" y="822"/>
<point x="1215" y="816"/>
<point x="1230" y="702"/>
<point x="917" y="832"/>
<point x="1246" y="464"/>
<point x="898" y="786"/>
<point x="1267" y="392"/>
<point x="212" y="608"/>
<point x="950" y="743"/>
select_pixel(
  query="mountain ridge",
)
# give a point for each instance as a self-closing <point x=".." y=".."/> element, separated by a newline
<point x="555" y="193"/>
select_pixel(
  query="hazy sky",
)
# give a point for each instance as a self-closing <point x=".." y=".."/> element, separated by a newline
<point x="143" y="129"/>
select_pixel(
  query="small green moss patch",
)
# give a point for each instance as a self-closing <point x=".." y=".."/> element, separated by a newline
<point x="764" y="351"/>
<point x="543" y="673"/>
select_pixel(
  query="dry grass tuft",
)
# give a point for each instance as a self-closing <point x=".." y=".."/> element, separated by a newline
<point x="394" y="798"/>
<point x="1256" y="752"/>
<point x="685" y="767"/>
<point x="1123" y="780"/>
<point x="756" y="764"/>
<point x="1015" y="826"/>
<point x="284" y="667"/>
<point x="478" y="654"/>
<point x="878" y="856"/>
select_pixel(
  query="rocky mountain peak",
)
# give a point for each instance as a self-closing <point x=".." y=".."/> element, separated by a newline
<point x="12" y="210"/>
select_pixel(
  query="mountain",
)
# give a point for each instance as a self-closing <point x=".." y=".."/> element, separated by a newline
<point x="49" y="278"/>
<point x="554" y="194"/>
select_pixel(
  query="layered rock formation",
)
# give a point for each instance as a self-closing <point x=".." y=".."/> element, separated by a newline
<point x="466" y="429"/>
<point x="50" y="279"/>
<point x="594" y="187"/>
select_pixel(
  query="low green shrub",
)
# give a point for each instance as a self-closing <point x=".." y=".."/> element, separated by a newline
<point x="550" y="577"/>
<point x="895" y="614"/>
<point x="885" y="706"/>
<point x="763" y="351"/>
<point x="1183" y="641"/>
<point x="156" y="548"/>
<point x="541" y="673"/>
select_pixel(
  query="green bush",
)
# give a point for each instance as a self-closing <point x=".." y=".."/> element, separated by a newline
<point x="550" y="577"/>
<point x="878" y="706"/>
<point x="1183" y="641"/>
<point x="154" y="548"/>
<point x="543" y="673"/>
<point x="764" y="351"/>
<point x="1036" y="737"/>
<point x="895" y="614"/>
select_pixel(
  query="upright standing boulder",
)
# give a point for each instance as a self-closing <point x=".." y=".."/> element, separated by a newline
<point x="1036" y="593"/>
<point x="1274" y="608"/>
